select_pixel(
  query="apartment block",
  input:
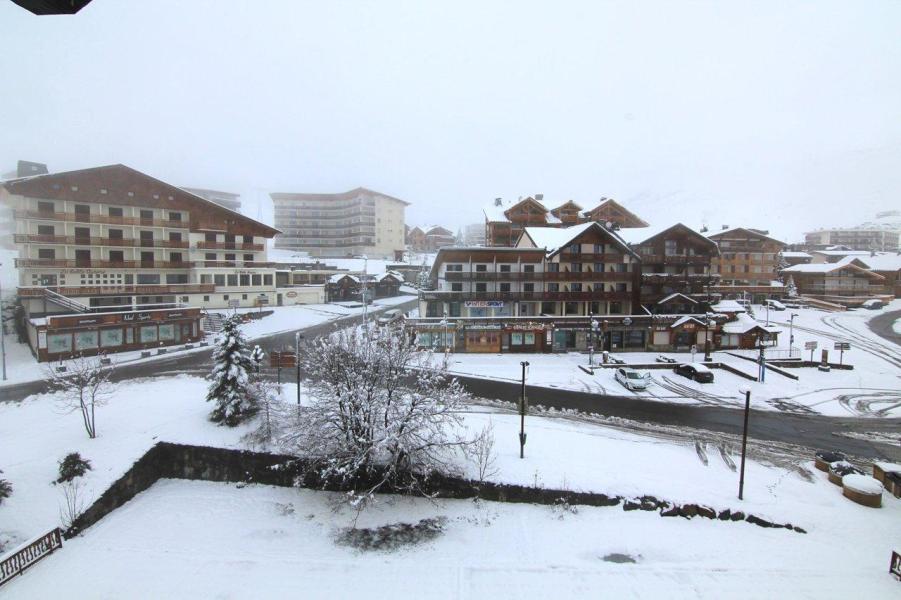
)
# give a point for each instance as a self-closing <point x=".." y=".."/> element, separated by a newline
<point x="748" y="263"/>
<point x="354" y="223"/>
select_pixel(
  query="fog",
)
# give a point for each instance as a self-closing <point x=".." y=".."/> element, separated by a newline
<point x="785" y="116"/>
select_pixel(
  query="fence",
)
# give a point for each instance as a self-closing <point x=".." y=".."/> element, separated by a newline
<point x="18" y="561"/>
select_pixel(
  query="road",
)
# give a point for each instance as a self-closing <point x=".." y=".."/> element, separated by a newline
<point x="814" y="431"/>
<point x="807" y="430"/>
<point x="883" y="326"/>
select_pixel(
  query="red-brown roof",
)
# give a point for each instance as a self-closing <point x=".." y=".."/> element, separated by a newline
<point x="122" y="185"/>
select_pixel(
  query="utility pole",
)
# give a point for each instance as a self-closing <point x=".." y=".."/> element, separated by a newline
<point x="2" y="332"/>
<point x="523" y="407"/>
<point x="707" y="336"/>
<point x="297" y="338"/>
<point x="762" y="360"/>
<point x="744" y="446"/>
<point x="363" y="293"/>
<point x="590" y="338"/>
<point x="791" y="333"/>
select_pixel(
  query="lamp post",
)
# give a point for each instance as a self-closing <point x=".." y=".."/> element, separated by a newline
<point x="2" y="332"/>
<point x="592" y="327"/>
<point x="791" y="332"/>
<point x="444" y="322"/>
<point x="522" y="411"/>
<point x="707" y="319"/>
<point x="297" y="338"/>
<point x="744" y="445"/>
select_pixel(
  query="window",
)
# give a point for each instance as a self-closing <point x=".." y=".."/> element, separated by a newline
<point x="174" y="236"/>
<point x="46" y="230"/>
<point x="230" y="258"/>
<point x="206" y="298"/>
<point x="146" y="258"/>
<point x="505" y="287"/>
<point x="148" y="278"/>
<point x="553" y="267"/>
<point x="146" y="238"/>
<point x="82" y="209"/>
<point x="85" y="340"/>
<point x="575" y="267"/>
<point x="230" y="238"/>
<point x="575" y="287"/>
<point x="598" y="267"/>
<point x="175" y="278"/>
<point x="528" y="268"/>
<point x="553" y="287"/>
<point x="115" y="234"/>
<point x="481" y="287"/>
<point x="146" y="215"/>
<point x="167" y="332"/>
<point x="219" y="279"/>
<point x="117" y="256"/>
<point x="481" y="268"/>
<point x="616" y="308"/>
<point x="232" y="280"/>
<point x="256" y="279"/>
<point x="505" y="268"/>
<point x="209" y="237"/>
<point x="114" y="211"/>
<point x="243" y="296"/>
<point x="82" y="258"/>
<point x="454" y="268"/>
<point x="456" y="287"/>
<point x="574" y="249"/>
<point x="669" y="247"/>
<point x="46" y="207"/>
<point x="245" y="280"/>
<point x="175" y="216"/>
<point x="175" y="257"/>
<point x="528" y="287"/>
<point x="59" y="342"/>
<point x="110" y="337"/>
<point x="210" y="256"/>
<point x="248" y="239"/>
<point x="248" y="258"/>
<point x="267" y="279"/>
<point x="148" y="334"/>
<point x="453" y="309"/>
<point x="225" y="296"/>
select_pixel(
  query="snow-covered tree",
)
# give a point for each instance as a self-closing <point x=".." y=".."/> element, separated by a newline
<point x="424" y="280"/>
<point x="381" y="415"/>
<point x="232" y="366"/>
<point x="72" y="466"/>
<point x="82" y="387"/>
<point x="791" y="290"/>
<point x="6" y="489"/>
<point x="256" y="356"/>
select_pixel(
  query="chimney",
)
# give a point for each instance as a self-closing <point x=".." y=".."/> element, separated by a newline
<point x="725" y="227"/>
<point x="497" y="201"/>
<point x="539" y="197"/>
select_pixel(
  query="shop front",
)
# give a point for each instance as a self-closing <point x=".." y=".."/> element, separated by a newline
<point x="66" y="336"/>
<point x="483" y="338"/>
<point x="527" y="337"/>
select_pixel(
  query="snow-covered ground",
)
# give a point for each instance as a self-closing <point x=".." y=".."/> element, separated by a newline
<point x="373" y="266"/>
<point x="22" y="367"/>
<point x="872" y="388"/>
<point x="272" y="542"/>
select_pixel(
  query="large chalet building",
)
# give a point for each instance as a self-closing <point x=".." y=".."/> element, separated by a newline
<point x="429" y="238"/>
<point x="103" y="241"/>
<point x="505" y="220"/>
<point x="748" y="263"/>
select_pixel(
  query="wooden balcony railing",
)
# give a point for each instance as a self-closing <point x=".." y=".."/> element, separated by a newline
<point x="22" y="238"/>
<point x="525" y="296"/>
<point x="98" y="218"/>
<point x="232" y="264"/>
<point x="590" y="257"/>
<point x="542" y="276"/>
<point x="675" y="259"/>
<point x="204" y="245"/>
<point x="99" y="264"/>
<point x="15" y="563"/>
<point x="119" y="290"/>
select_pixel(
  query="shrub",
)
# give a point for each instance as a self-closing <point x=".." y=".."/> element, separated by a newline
<point x="72" y="466"/>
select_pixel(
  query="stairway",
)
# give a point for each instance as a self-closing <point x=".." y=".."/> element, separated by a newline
<point x="65" y="301"/>
<point x="212" y="322"/>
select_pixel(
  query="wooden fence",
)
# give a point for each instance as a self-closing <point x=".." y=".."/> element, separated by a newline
<point x="16" y="562"/>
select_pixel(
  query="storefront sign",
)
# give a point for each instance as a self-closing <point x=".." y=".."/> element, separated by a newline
<point x="484" y="304"/>
<point x="87" y="321"/>
<point x="627" y="321"/>
<point x="291" y="294"/>
<point x="482" y="327"/>
<point x="527" y="326"/>
<point x="42" y="339"/>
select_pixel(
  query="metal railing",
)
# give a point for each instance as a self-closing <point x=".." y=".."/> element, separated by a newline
<point x="16" y="562"/>
<point x="96" y="263"/>
<point x="98" y="218"/>
<point x="119" y="290"/>
<point x="74" y="240"/>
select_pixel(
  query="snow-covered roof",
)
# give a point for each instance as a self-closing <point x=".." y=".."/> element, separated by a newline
<point x="842" y="252"/>
<point x="494" y="211"/>
<point x="744" y="323"/>
<point x="742" y="229"/>
<point x="884" y="261"/>
<point x="826" y="267"/>
<point x="727" y="306"/>
<point x="554" y="238"/>
<point x="676" y="295"/>
<point x="339" y="276"/>
<point x="382" y="276"/>
<point x="687" y="318"/>
<point x="636" y="235"/>
<point x="794" y="254"/>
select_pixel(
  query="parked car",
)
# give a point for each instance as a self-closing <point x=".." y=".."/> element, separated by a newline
<point x="633" y="379"/>
<point x="775" y="305"/>
<point x="695" y="371"/>
<point x="873" y="304"/>
<point x="389" y="317"/>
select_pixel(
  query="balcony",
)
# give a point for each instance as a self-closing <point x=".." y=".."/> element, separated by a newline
<point x="525" y="296"/>
<point x="590" y="257"/>
<point x="204" y="245"/>
<point x="675" y="259"/>
<point x="94" y="263"/>
<point x="118" y="290"/>
<point x="232" y="264"/>
<point x="542" y="276"/>
<point x="98" y="218"/>
<point x="680" y="277"/>
<point x="70" y="240"/>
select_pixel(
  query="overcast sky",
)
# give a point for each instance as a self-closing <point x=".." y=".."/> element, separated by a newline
<point x="784" y="115"/>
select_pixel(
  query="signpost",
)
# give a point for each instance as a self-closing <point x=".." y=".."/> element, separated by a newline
<point x="811" y="346"/>
<point x="523" y="407"/>
<point x="841" y="347"/>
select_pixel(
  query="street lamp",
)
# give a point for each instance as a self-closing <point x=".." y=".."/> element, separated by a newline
<point x="444" y="322"/>
<point x="708" y="317"/>
<point x="522" y="411"/>
<point x="791" y="332"/>
<point x="2" y="332"/>
<point x="592" y="328"/>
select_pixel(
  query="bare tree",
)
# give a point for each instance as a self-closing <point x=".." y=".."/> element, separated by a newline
<point x="268" y="397"/>
<point x="82" y="387"/>
<point x="481" y="453"/>
<point x="74" y="502"/>
<point x="382" y="416"/>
